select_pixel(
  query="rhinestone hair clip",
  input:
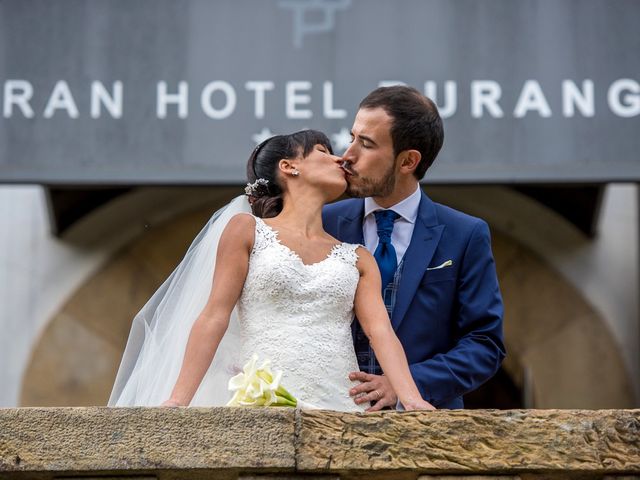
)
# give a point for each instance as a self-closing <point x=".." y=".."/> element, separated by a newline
<point x="252" y="188"/>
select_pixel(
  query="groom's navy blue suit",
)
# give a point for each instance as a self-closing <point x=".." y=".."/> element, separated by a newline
<point x="449" y="319"/>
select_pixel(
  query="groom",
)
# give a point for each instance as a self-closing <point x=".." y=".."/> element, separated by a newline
<point x="439" y="279"/>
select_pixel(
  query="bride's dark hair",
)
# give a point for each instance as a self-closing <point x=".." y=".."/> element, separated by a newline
<point x="266" y="200"/>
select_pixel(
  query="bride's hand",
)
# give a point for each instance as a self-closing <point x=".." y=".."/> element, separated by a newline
<point x="171" y="403"/>
<point x="418" y="405"/>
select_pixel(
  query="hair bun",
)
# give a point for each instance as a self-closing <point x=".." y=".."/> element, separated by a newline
<point x="266" y="206"/>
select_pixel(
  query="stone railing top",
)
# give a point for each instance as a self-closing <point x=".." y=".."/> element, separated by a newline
<point x="230" y="442"/>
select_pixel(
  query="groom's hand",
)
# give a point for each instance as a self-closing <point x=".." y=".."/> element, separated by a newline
<point x="374" y="388"/>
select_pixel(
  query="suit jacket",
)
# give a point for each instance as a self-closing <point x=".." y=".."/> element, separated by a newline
<point x="449" y="320"/>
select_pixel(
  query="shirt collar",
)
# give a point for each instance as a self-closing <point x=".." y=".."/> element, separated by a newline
<point x="407" y="208"/>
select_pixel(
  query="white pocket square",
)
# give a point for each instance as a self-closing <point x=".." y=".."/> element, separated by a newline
<point x="448" y="263"/>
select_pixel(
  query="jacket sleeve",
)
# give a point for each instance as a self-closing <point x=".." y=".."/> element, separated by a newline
<point x="477" y="322"/>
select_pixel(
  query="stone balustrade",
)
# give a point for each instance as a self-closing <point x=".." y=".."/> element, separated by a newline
<point x="277" y="443"/>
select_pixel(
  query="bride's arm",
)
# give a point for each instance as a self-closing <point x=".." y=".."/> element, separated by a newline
<point x="232" y="263"/>
<point x="372" y="315"/>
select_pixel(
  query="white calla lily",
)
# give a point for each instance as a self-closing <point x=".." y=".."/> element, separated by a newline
<point x="259" y="386"/>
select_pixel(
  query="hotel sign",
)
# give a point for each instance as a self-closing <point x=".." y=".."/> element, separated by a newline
<point x="165" y="92"/>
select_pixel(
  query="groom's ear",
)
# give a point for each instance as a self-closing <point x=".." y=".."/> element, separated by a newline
<point x="409" y="160"/>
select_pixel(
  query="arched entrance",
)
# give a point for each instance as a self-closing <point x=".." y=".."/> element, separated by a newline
<point x="558" y="346"/>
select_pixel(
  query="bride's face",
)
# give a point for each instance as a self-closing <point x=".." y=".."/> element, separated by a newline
<point x="320" y="169"/>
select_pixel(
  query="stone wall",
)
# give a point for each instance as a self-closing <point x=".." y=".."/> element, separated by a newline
<point x="230" y="443"/>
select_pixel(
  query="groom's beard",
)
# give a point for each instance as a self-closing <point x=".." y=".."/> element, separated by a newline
<point x="360" y="187"/>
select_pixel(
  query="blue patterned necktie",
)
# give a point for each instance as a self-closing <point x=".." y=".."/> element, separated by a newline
<point x="385" y="254"/>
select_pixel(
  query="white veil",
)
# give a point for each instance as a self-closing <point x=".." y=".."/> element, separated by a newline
<point x="159" y="333"/>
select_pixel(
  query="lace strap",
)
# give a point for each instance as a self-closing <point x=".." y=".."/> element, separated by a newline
<point x="347" y="252"/>
<point x="264" y="235"/>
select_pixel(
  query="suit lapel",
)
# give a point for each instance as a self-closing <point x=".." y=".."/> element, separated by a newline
<point x="350" y="223"/>
<point x="424" y="241"/>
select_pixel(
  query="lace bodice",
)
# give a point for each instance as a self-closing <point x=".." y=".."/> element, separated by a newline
<point x="299" y="316"/>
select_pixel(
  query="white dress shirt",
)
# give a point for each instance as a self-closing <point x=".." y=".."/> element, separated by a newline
<point x="402" y="229"/>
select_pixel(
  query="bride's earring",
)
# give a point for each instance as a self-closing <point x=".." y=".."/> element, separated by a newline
<point x="295" y="173"/>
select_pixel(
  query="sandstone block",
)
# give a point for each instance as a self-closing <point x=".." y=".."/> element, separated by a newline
<point x="101" y="439"/>
<point x="471" y="442"/>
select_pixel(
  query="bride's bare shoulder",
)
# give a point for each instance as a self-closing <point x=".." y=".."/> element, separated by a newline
<point x="241" y="228"/>
<point x="243" y="219"/>
<point x="364" y="254"/>
<point x="366" y="262"/>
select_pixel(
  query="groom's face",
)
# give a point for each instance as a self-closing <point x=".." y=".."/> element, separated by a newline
<point x="371" y="155"/>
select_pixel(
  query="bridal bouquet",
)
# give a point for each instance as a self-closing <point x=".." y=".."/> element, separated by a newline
<point x="259" y="387"/>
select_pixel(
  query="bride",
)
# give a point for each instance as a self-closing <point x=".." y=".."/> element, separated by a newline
<point x="282" y="288"/>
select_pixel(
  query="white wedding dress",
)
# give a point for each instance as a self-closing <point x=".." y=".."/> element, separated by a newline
<point x="299" y="316"/>
<point x="295" y="315"/>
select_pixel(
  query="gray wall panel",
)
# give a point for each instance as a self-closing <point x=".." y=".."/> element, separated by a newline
<point x="354" y="44"/>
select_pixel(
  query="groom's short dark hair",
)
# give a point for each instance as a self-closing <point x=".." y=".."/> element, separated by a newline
<point x="416" y="123"/>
